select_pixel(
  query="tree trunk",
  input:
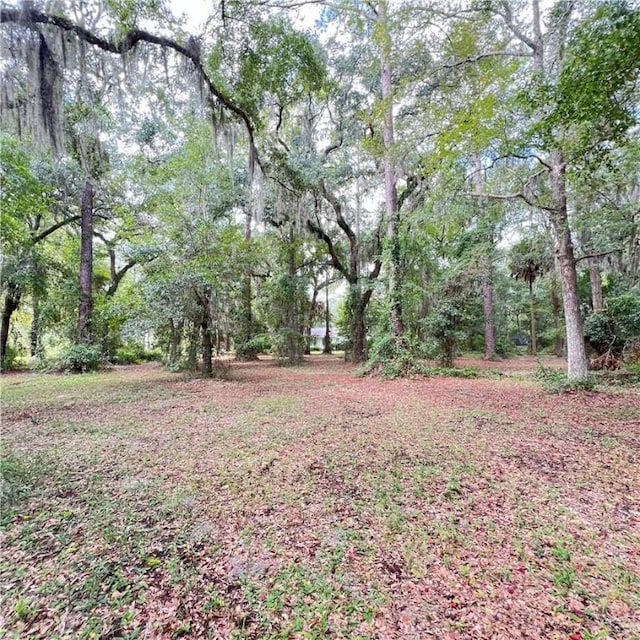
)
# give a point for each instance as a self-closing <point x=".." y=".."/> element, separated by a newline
<point x="489" y="328"/>
<point x="312" y="311"/>
<point x="634" y="241"/>
<point x="207" y="341"/>
<point x="486" y="268"/>
<point x="390" y="188"/>
<point x="83" y="328"/>
<point x="533" y="338"/>
<point x="175" y="342"/>
<point x="11" y="303"/>
<point x="294" y="319"/>
<point x="358" y="334"/>
<point x="326" y="346"/>
<point x="34" y="333"/>
<point x="357" y="329"/>
<point x="245" y="353"/>
<point x="595" y="278"/>
<point x="556" y="308"/>
<point x="577" y="361"/>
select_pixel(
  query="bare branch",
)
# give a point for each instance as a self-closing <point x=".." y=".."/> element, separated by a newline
<point x="529" y="157"/>
<point x="507" y="16"/>
<point x="333" y="147"/>
<point x="482" y="56"/>
<point x="510" y="196"/>
<point x="47" y="232"/>
<point x="599" y="254"/>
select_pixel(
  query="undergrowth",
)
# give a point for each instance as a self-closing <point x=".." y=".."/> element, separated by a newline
<point x="556" y="381"/>
<point x="19" y="476"/>
<point x="393" y="358"/>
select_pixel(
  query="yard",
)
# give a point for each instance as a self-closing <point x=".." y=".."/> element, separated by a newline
<point x="311" y="503"/>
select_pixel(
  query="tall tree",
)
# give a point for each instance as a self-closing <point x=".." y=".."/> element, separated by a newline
<point x="349" y="265"/>
<point x="29" y="218"/>
<point x="569" y="124"/>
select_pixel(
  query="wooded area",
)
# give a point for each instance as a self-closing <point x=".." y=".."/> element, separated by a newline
<point x="430" y="209"/>
<point x="460" y="175"/>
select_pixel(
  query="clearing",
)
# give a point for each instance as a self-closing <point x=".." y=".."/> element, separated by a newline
<point x="310" y="503"/>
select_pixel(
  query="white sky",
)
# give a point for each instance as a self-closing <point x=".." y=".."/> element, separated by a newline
<point x="197" y="12"/>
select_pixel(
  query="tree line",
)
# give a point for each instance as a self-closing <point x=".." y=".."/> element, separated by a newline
<point x="465" y="173"/>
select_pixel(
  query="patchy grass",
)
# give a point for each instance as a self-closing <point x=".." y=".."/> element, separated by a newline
<point x="310" y="503"/>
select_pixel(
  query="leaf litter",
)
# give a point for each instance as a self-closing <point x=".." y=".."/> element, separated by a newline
<point x="311" y="503"/>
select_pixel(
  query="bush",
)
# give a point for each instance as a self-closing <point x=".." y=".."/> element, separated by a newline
<point x="445" y="326"/>
<point x="220" y="369"/>
<point x="448" y="372"/>
<point x="505" y="348"/>
<point x="632" y="353"/>
<point x="134" y="354"/>
<point x="288" y="347"/>
<point x="11" y="359"/>
<point x="80" y="358"/>
<point x="612" y="329"/>
<point x="251" y="348"/>
<point x="391" y="357"/>
<point x="600" y="331"/>
<point x="556" y="381"/>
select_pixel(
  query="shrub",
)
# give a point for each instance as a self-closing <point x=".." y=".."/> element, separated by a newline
<point x="220" y="369"/>
<point x="505" y="348"/>
<point x="423" y="369"/>
<point x="391" y="357"/>
<point x="632" y="352"/>
<point x="11" y="359"/>
<point x="80" y="358"/>
<point x="134" y="354"/>
<point x="445" y="327"/>
<point x="612" y="329"/>
<point x="556" y="381"/>
<point x="260" y="343"/>
<point x="600" y="331"/>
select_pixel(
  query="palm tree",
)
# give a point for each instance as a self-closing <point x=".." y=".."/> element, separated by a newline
<point x="527" y="268"/>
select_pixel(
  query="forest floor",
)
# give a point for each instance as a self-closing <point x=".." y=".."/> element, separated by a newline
<point x="311" y="503"/>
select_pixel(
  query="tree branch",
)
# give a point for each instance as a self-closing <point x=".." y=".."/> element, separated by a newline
<point x="337" y="207"/>
<point x="321" y="234"/>
<point x="482" y="56"/>
<point x="117" y="277"/>
<point x="47" y="232"/>
<point x="509" y="196"/>
<point x="333" y="147"/>
<point x="507" y="15"/>
<point x="599" y="254"/>
<point x="30" y="17"/>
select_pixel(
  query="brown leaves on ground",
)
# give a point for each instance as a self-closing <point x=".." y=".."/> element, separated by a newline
<point x="310" y="503"/>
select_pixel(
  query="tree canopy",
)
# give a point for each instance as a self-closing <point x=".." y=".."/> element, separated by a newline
<point x="196" y="192"/>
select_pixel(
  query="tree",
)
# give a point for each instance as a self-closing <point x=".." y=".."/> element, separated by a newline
<point x="349" y="265"/>
<point x="527" y="266"/>
<point x="198" y="248"/>
<point x="28" y="220"/>
<point x="581" y="89"/>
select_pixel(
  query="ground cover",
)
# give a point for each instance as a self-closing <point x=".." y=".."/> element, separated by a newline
<point x="311" y="503"/>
